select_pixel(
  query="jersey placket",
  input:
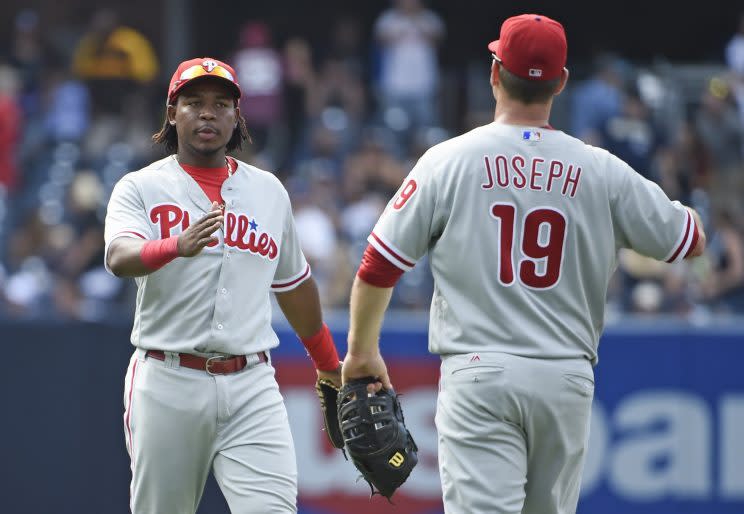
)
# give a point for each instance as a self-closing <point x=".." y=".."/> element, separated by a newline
<point x="223" y="296"/>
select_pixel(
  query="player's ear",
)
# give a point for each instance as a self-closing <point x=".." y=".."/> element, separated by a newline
<point x="562" y="82"/>
<point x="495" y="67"/>
<point x="237" y="116"/>
<point x="171" y="113"/>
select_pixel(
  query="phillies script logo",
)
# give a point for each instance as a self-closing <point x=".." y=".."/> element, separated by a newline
<point x="241" y="232"/>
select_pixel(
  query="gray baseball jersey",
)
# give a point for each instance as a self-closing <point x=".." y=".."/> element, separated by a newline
<point x="218" y="301"/>
<point x="179" y="422"/>
<point x="523" y="226"/>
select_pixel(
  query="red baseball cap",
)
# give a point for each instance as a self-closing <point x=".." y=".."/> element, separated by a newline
<point x="531" y="46"/>
<point x="202" y="67"/>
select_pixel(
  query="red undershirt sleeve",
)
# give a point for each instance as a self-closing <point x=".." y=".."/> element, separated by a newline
<point x="376" y="270"/>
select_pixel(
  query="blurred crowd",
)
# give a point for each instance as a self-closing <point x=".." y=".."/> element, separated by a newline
<point x="341" y="122"/>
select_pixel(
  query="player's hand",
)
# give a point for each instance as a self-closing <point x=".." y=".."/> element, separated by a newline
<point x="366" y="365"/>
<point x="334" y="376"/>
<point x="197" y="236"/>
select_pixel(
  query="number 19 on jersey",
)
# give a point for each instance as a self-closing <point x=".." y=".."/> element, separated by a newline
<point x="542" y="237"/>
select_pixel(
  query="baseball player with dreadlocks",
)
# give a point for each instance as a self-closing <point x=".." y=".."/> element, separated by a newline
<point x="207" y="238"/>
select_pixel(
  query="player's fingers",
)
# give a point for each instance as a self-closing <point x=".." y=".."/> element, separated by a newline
<point x="204" y="241"/>
<point x="207" y="224"/>
<point x="215" y="207"/>
<point x="374" y="387"/>
<point x="209" y="229"/>
<point x="211" y="215"/>
<point x="386" y="384"/>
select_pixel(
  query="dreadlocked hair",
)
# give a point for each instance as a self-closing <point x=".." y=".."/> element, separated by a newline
<point x="168" y="136"/>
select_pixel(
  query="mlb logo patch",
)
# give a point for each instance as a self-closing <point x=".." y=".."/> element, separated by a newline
<point x="531" y="135"/>
<point x="535" y="72"/>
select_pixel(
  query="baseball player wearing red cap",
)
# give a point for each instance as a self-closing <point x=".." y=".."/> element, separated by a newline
<point x="523" y="224"/>
<point x="207" y="238"/>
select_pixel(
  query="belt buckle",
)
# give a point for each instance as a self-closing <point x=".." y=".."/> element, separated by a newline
<point x="209" y="363"/>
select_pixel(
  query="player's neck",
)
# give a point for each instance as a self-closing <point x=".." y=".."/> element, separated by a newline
<point x="512" y="112"/>
<point x="198" y="160"/>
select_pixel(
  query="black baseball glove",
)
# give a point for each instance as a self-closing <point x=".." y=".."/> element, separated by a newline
<point x="376" y="436"/>
<point x="328" y="395"/>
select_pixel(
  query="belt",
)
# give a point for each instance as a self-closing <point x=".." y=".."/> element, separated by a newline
<point x="217" y="365"/>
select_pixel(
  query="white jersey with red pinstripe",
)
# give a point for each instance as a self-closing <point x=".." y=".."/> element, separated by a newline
<point x="218" y="301"/>
<point x="523" y="226"/>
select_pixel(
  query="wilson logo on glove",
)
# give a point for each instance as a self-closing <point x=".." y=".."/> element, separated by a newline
<point x="397" y="459"/>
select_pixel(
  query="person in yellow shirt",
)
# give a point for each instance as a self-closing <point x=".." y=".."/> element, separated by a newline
<point x="114" y="60"/>
<point x="113" y="51"/>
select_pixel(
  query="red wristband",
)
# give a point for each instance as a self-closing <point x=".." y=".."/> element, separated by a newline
<point x="322" y="349"/>
<point x="156" y="254"/>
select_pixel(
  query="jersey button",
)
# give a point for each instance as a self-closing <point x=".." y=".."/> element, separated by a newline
<point x="224" y="291"/>
<point x="219" y="326"/>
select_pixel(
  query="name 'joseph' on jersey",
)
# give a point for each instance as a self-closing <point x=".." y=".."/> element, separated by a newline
<point x="217" y="301"/>
<point x="523" y="226"/>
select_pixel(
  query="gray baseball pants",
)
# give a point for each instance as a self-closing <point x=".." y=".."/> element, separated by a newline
<point x="512" y="433"/>
<point x="180" y="423"/>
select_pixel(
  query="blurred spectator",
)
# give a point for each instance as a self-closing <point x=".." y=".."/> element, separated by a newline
<point x="83" y="289"/>
<point x="299" y="82"/>
<point x="337" y="102"/>
<point x="720" y="128"/>
<point x="407" y="35"/>
<point x="67" y="110"/>
<point x="371" y="170"/>
<point x="360" y="215"/>
<point x="734" y="54"/>
<point x="317" y="233"/>
<point x="596" y="100"/>
<point x="337" y="87"/>
<point x="259" y="69"/>
<point x="11" y="123"/>
<point x="633" y="136"/>
<point x="647" y="298"/>
<point x="28" y="277"/>
<point x="687" y="164"/>
<point x="345" y="46"/>
<point x="117" y="64"/>
<point x="321" y="152"/>
<point x="642" y="283"/>
<point x="316" y="204"/>
<point x="113" y="59"/>
<point x="724" y="285"/>
<point x="84" y="248"/>
<point x="26" y="55"/>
